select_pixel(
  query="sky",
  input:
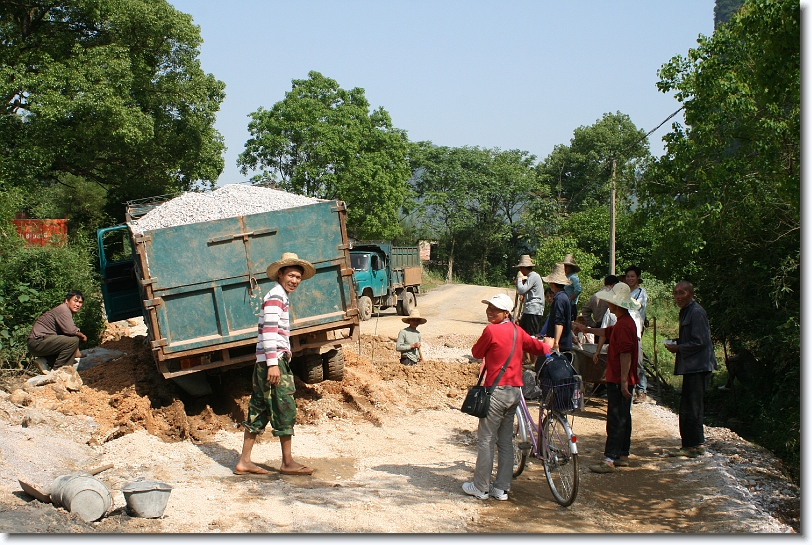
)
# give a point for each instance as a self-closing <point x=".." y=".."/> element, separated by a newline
<point x="508" y="74"/>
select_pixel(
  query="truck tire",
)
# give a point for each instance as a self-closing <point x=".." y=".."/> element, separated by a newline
<point x="364" y="308"/>
<point x="406" y="304"/>
<point x="311" y="370"/>
<point x="333" y="365"/>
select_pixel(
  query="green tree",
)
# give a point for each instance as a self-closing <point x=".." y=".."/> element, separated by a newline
<point x="726" y="196"/>
<point x="110" y="91"/>
<point x="579" y="174"/>
<point x="323" y="141"/>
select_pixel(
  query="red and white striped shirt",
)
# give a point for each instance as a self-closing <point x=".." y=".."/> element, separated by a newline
<point x="273" y="337"/>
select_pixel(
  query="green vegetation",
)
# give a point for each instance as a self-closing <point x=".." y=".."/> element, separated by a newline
<point x="106" y="102"/>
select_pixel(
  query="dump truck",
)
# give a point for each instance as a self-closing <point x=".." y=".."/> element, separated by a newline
<point x="385" y="276"/>
<point x="200" y="287"/>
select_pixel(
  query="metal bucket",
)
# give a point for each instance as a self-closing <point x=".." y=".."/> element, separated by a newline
<point x="82" y="495"/>
<point x="146" y="499"/>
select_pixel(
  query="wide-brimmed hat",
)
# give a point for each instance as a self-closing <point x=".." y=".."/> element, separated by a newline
<point x="558" y="276"/>
<point x="501" y="301"/>
<point x="414" y="314"/>
<point x="619" y="295"/>
<point x="571" y="262"/>
<point x="525" y="261"/>
<point x="289" y="259"/>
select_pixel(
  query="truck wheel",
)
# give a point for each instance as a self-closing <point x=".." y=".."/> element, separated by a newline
<point x="407" y="303"/>
<point x="365" y="308"/>
<point x="334" y="365"/>
<point x="311" y="371"/>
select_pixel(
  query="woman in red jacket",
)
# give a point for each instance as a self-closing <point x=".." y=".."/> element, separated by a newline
<point x="495" y="345"/>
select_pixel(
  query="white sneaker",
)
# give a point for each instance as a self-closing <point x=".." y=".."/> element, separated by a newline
<point x="497" y="493"/>
<point x="472" y="490"/>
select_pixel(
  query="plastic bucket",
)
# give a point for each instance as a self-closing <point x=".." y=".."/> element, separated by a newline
<point x="146" y="499"/>
<point x="84" y="496"/>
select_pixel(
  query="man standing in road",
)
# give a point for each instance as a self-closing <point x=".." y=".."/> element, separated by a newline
<point x="621" y="374"/>
<point x="695" y="361"/>
<point x="273" y="385"/>
<point x="573" y="289"/>
<point x="559" y="323"/>
<point x="529" y="286"/>
<point x="55" y="335"/>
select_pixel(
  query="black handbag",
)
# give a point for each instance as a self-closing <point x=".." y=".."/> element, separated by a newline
<point x="478" y="401"/>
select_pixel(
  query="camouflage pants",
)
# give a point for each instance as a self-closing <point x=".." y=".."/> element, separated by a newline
<point x="272" y="404"/>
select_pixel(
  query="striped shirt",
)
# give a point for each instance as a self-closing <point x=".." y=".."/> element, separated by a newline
<point x="273" y="337"/>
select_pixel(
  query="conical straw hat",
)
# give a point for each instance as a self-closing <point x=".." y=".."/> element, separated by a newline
<point x="620" y="295"/>
<point x="570" y="261"/>
<point x="558" y="276"/>
<point x="525" y="261"/>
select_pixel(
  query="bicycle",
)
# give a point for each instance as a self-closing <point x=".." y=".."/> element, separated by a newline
<point x="552" y="440"/>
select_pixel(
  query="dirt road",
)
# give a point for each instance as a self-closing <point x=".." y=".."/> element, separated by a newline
<point x="389" y="445"/>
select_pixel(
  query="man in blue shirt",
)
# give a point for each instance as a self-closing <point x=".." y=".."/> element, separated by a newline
<point x="559" y="326"/>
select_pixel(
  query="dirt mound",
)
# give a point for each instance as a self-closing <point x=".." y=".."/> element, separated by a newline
<point x="129" y="394"/>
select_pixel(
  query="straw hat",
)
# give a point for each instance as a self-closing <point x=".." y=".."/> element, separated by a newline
<point x="414" y="314"/>
<point x="525" y="261"/>
<point x="500" y="301"/>
<point x="619" y="295"/>
<point x="571" y="262"/>
<point x="288" y="259"/>
<point x="558" y="276"/>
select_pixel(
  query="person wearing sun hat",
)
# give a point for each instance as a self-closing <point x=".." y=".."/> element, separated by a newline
<point x="559" y="323"/>
<point x="273" y="384"/>
<point x="496" y="429"/>
<point x="530" y="287"/>
<point x="573" y="289"/>
<point x="408" y="343"/>
<point x="621" y="375"/>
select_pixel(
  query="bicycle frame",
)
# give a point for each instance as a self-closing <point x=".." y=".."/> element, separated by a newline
<point x="536" y="433"/>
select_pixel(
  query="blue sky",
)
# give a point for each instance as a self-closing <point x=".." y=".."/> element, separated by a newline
<point x="510" y="74"/>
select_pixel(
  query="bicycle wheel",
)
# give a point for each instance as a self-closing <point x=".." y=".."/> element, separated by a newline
<point x="521" y="443"/>
<point x="560" y="462"/>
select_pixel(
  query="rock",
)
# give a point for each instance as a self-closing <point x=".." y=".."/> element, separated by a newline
<point x="40" y="380"/>
<point x="32" y="418"/>
<point x="68" y="377"/>
<point x="20" y="398"/>
<point x="60" y="392"/>
<point x="132" y="322"/>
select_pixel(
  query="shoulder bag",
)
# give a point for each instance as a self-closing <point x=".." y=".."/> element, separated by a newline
<point x="478" y="401"/>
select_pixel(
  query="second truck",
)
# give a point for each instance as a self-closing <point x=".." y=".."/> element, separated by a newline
<point x="385" y="276"/>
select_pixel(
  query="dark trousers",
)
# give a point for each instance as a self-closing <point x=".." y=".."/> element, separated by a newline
<point x="531" y="323"/>
<point x="61" y="348"/>
<point x="618" y="423"/>
<point x="692" y="409"/>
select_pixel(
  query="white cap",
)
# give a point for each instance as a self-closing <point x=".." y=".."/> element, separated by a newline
<point x="501" y="301"/>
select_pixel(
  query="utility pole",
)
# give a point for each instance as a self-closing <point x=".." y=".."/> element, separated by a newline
<point x="612" y="222"/>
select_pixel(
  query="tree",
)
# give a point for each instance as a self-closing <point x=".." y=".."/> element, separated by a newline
<point x="322" y="141"/>
<point x="107" y="90"/>
<point x="726" y="195"/>
<point x="579" y="174"/>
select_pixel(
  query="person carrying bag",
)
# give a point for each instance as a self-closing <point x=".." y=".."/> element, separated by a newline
<point x="501" y="345"/>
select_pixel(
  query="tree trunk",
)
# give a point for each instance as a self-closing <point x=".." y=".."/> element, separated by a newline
<point x="450" y="274"/>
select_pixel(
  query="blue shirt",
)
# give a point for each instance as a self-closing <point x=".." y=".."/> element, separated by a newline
<point x="575" y="287"/>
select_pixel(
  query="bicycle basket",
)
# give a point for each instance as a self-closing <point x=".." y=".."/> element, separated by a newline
<point x="564" y="395"/>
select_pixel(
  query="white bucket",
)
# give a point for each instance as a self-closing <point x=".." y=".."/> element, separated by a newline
<point x="82" y="495"/>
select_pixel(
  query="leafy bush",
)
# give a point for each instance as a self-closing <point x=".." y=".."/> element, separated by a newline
<point x="34" y="280"/>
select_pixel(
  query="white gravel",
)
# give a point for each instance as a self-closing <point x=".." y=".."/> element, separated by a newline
<point x="226" y="202"/>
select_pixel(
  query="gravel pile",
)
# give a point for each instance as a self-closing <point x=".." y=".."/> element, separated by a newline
<point x="226" y="202"/>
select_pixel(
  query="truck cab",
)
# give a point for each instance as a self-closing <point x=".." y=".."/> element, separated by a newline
<point x="385" y="276"/>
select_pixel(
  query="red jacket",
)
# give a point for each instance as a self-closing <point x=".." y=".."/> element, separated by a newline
<point x="494" y="345"/>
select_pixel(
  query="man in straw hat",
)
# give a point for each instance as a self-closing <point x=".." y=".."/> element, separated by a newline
<point x="408" y="343"/>
<point x="559" y="323"/>
<point x="529" y="286"/>
<point x="273" y="385"/>
<point x="621" y="375"/>
<point x="573" y="290"/>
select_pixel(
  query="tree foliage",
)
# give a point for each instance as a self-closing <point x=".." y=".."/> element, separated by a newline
<point x="323" y="141"/>
<point x="726" y="195"/>
<point x="110" y="91"/>
<point x="579" y="174"/>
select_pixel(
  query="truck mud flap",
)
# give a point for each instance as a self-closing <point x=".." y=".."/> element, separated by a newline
<point x="196" y="384"/>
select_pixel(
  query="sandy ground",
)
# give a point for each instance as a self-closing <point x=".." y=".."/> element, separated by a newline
<point x="390" y="448"/>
